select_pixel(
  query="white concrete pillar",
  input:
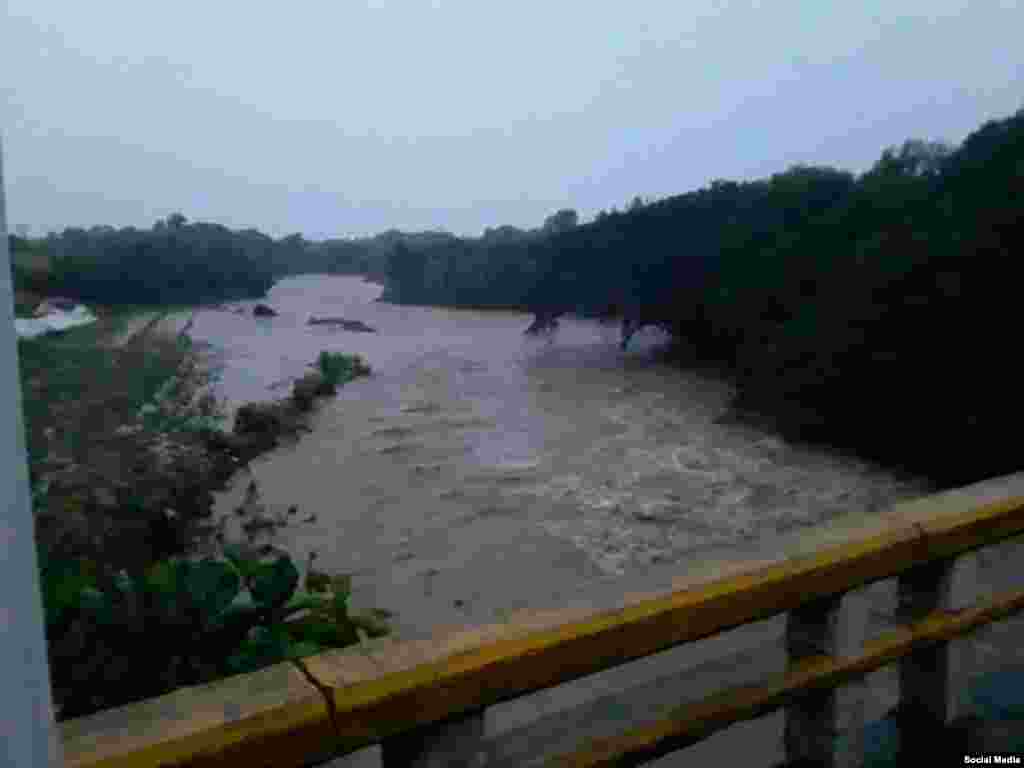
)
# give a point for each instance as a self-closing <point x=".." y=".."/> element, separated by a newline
<point x="827" y="728"/>
<point x="934" y="681"/>
<point x="28" y="736"/>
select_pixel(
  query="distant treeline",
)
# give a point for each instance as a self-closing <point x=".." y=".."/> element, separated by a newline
<point x="182" y="262"/>
<point x="873" y="311"/>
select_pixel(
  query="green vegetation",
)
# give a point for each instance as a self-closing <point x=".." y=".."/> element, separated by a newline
<point x="77" y="388"/>
<point x="174" y="262"/>
<point x="128" y="615"/>
<point x="498" y="270"/>
<point x="123" y="463"/>
<point x="863" y="311"/>
<point x="338" y="368"/>
<point x="30" y="272"/>
<point x="182" y="262"/>
<point x="115" y="638"/>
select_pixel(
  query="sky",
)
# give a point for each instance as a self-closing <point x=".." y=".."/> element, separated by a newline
<point x="347" y="118"/>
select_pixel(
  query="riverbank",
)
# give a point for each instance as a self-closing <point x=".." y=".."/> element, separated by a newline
<point x="128" y="439"/>
<point x="130" y="442"/>
<point x="105" y="463"/>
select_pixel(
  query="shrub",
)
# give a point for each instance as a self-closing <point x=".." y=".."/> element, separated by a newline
<point x="338" y="368"/>
<point x="263" y="418"/>
<point x="308" y="387"/>
<point x="114" y="639"/>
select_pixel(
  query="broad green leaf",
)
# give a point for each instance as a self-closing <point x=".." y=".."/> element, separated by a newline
<point x="124" y="583"/>
<point x="342" y="584"/>
<point x="98" y="606"/>
<point x="339" y="603"/>
<point x="242" y="610"/>
<point x="165" y="580"/>
<point x="212" y="586"/>
<point x="304" y="601"/>
<point x="245" y="566"/>
<point x="272" y="642"/>
<point x="161" y="577"/>
<point x="243" y="602"/>
<point x="182" y="573"/>
<point x="374" y="627"/>
<point x="62" y="583"/>
<point x="323" y="632"/>
<point x="273" y="583"/>
<point x="298" y="650"/>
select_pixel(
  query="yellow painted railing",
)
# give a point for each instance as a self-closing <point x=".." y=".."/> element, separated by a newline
<point x="424" y="700"/>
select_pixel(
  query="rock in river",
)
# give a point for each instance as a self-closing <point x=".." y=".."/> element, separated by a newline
<point x="357" y="326"/>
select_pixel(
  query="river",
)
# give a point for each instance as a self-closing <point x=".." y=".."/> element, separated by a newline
<point x="478" y="471"/>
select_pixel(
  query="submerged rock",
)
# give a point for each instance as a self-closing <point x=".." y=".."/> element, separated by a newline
<point x="356" y="326"/>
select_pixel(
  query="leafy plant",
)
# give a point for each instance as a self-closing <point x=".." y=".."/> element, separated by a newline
<point x="117" y="638"/>
<point x="338" y="368"/>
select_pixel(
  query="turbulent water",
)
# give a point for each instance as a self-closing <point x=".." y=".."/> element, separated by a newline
<point x="479" y="470"/>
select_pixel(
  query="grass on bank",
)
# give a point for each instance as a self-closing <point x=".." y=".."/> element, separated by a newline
<point x="338" y="368"/>
<point x="77" y="390"/>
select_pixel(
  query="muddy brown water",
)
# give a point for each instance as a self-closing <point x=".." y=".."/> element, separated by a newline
<point x="478" y="471"/>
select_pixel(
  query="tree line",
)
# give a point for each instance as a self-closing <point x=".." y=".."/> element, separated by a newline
<point x="869" y="310"/>
<point x="181" y="262"/>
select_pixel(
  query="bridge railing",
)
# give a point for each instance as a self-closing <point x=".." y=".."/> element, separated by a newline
<point x="424" y="701"/>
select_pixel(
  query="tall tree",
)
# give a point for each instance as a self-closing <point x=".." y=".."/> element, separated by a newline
<point x="561" y="221"/>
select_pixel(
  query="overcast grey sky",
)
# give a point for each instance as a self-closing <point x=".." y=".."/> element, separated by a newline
<point x="345" y="117"/>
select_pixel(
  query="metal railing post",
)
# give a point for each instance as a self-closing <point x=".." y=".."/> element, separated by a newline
<point x="28" y="734"/>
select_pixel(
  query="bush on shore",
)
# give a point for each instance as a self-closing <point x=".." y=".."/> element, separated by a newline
<point x="312" y="385"/>
<point x="118" y="638"/>
<point x="128" y="615"/>
<point x="856" y="310"/>
<point x="338" y="368"/>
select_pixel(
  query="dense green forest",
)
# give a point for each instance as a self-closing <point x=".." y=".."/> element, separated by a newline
<point x="497" y="270"/>
<point x="864" y="310"/>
